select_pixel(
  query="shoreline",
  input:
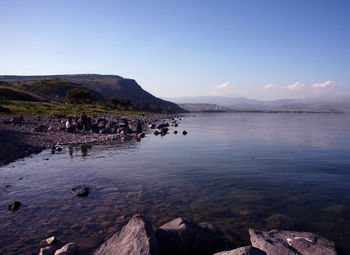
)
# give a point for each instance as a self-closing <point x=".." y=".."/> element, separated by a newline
<point x="24" y="135"/>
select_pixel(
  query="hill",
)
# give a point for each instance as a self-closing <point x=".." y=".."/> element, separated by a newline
<point x="49" y="90"/>
<point x="331" y="105"/>
<point x="204" y="108"/>
<point x="105" y="85"/>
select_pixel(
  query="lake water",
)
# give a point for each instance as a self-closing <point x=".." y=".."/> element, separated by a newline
<point x="236" y="171"/>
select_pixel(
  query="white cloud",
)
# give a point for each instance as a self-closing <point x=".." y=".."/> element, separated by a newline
<point x="295" y="86"/>
<point x="225" y="89"/>
<point x="274" y="91"/>
<point x="223" y="86"/>
<point x="270" y="86"/>
<point x="327" y="84"/>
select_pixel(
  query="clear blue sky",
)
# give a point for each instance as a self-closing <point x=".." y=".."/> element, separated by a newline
<point x="183" y="48"/>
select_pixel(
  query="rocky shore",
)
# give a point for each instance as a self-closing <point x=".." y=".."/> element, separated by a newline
<point x="21" y="136"/>
<point x="182" y="236"/>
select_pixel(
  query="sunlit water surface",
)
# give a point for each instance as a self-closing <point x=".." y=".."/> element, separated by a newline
<point x="237" y="171"/>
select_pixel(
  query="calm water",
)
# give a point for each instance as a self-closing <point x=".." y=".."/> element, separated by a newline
<point x="237" y="171"/>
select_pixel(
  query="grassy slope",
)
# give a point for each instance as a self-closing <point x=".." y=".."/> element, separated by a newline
<point x="106" y="85"/>
<point x="50" y="89"/>
<point x="44" y="108"/>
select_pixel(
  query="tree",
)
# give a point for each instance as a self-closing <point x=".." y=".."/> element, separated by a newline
<point x="79" y="96"/>
<point x="113" y="102"/>
<point x="125" y="102"/>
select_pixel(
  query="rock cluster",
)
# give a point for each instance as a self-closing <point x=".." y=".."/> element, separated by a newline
<point x="21" y="136"/>
<point x="52" y="246"/>
<point x="179" y="236"/>
<point x="182" y="236"/>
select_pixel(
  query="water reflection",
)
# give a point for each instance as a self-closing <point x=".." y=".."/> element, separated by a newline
<point x="236" y="171"/>
<point x="85" y="149"/>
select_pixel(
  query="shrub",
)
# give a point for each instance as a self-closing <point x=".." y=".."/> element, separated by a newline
<point x="79" y="96"/>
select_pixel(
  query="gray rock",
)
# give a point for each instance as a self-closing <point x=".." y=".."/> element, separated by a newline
<point x="68" y="249"/>
<point x="80" y="191"/>
<point x="48" y="250"/>
<point x="136" y="238"/>
<point x="246" y="250"/>
<point x="183" y="236"/>
<point x="278" y="242"/>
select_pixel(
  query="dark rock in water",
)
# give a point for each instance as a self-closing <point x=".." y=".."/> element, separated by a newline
<point x="136" y="127"/>
<point x="14" y="206"/>
<point x="184" y="132"/>
<point x="246" y="250"/>
<point x="278" y="242"/>
<point x="163" y="125"/>
<point x="47" y="250"/>
<point x="50" y="242"/>
<point x="175" y="132"/>
<point x="80" y="191"/>
<point x="174" y="124"/>
<point x="164" y="130"/>
<point x="68" y="249"/>
<point x="141" y="135"/>
<point x="152" y="126"/>
<point x="156" y="132"/>
<point x="183" y="236"/>
<point x="136" y="238"/>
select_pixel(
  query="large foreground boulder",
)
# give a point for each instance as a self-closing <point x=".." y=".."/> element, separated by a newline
<point x="278" y="242"/>
<point x="246" y="250"/>
<point x="183" y="236"/>
<point x="136" y="238"/>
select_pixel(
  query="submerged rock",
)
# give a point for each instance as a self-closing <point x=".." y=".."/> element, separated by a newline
<point x="140" y="135"/>
<point x="246" y="250"/>
<point x="15" y="206"/>
<point x="136" y="238"/>
<point x="278" y="242"/>
<point x="68" y="249"/>
<point x="184" y="132"/>
<point x="80" y="191"/>
<point x="183" y="236"/>
<point x="47" y="250"/>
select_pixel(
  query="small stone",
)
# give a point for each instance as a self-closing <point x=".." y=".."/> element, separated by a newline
<point x="80" y="191"/>
<point x="14" y="206"/>
<point x="184" y="132"/>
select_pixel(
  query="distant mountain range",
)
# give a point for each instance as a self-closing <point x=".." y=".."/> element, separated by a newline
<point x="216" y="103"/>
<point x="102" y="86"/>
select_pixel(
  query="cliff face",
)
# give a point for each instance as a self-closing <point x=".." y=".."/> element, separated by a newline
<point x="106" y="85"/>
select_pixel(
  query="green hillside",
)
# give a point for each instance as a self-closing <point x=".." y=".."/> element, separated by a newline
<point x="105" y="85"/>
<point x="51" y="89"/>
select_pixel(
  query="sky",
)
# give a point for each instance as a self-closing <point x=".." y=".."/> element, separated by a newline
<point x="256" y="49"/>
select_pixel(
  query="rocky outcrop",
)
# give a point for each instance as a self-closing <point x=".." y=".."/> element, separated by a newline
<point x="183" y="236"/>
<point x="80" y="191"/>
<point x="136" y="238"/>
<point x="246" y="250"/>
<point x="278" y="242"/>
